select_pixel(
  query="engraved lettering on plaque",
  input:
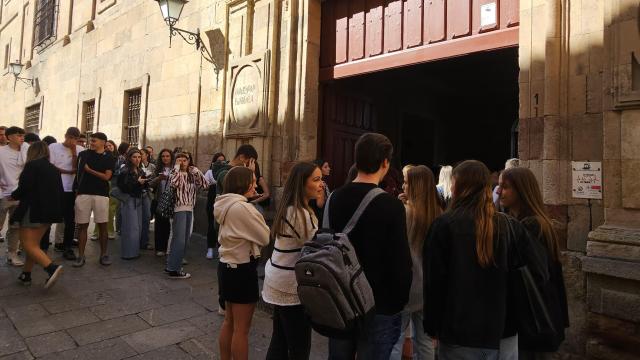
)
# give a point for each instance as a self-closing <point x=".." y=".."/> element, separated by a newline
<point x="246" y="97"/>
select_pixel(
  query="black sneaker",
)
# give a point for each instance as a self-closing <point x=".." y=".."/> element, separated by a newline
<point x="25" y="279"/>
<point x="53" y="277"/>
<point x="179" y="275"/>
<point x="69" y="255"/>
<point x="59" y="247"/>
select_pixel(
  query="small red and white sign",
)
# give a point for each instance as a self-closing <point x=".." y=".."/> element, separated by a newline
<point x="586" y="179"/>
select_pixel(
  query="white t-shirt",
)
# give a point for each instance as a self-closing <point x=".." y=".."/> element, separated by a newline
<point x="209" y="176"/>
<point x="11" y="165"/>
<point x="60" y="157"/>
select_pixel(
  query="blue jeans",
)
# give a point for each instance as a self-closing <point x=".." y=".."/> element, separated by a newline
<point x="146" y="219"/>
<point x="131" y="211"/>
<point x="181" y="231"/>
<point x="455" y="352"/>
<point x="422" y="343"/>
<point x="373" y="343"/>
<point x="509" y="348"/>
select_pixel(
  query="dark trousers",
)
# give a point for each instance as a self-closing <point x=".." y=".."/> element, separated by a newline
<point x="69" y="215"/>
<point x="162" y="228"/>
<point x="291" y="337"/>
<point x="44" y="242"/>
<point x="374" y="342"/>
<point x="212" y="231"/>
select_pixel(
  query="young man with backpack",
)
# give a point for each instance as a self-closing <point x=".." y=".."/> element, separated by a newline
<point x="245" y="156"/>
<point x="379" y="238"/>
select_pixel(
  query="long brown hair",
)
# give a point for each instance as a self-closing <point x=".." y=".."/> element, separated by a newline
<point x="472" y="196"/>
<point x="293" y="195"/>
<point x="422" y="204"/>
<point x="525" y="184"/>
<point x="38" y="150"/>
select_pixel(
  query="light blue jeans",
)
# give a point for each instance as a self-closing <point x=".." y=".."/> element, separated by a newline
<point x="146" y="219"/>
<point x="131" y="211"/>
<point x="422" y="343"/>
<point x="181" y="230"/>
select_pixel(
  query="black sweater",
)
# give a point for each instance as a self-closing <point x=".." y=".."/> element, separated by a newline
<point x="380" y="241"/>
<point x="128" y="183"/>
<point x="39" y="191"/>
<point x="465" y="304"/>
<point x="553" y="292"/>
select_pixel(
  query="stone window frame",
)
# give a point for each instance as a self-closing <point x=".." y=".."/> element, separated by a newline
<point x="131" y="119"/>
<point x="89" y="117"/>
<point x="32" y="118"/>
<point x="40" y="20"/>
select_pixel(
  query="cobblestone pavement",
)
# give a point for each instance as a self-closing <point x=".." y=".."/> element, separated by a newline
<point x="127" y="310"/>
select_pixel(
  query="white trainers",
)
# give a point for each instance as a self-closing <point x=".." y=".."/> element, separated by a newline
<point x="210" y="254"/>
<point x="14" y="259"/>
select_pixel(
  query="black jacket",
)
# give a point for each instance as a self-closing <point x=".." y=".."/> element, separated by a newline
<point x="40" y="191"/>
<point x="553" y="292"/>
<point x="128" y="182"/>
<point x="464" y="303"/>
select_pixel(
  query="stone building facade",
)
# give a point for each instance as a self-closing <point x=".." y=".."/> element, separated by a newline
<point x="107" y="66"/>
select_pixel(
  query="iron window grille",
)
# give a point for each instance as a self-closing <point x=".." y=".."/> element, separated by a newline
<point x="45" y="23"/>
<point x="132" y="126"/>
<point x="89" y="117"/>
<point x="32" y="119"/>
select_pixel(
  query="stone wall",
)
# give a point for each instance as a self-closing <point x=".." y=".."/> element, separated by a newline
<point x="577" y="102"/>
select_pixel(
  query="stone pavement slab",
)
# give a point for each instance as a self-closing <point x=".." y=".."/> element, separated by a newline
<point x="50" y="343"/>
<point x="172" y="352"/>
<point x="130" y="309"/>
<point x="172" y="313"/>
<point x="158" y="337"/>
<point x="108" y="329"/>
<point x="112" y="349"/>
<point x="10" y="341"/>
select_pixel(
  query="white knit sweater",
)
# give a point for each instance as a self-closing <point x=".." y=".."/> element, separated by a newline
<point x="280" y="285"/>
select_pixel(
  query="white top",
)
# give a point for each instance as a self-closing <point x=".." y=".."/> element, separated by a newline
<point x="209" y="176"/>
<point x="280" y="286"/>
<point x="60" y="156"/>
<point x="11" y="165"/>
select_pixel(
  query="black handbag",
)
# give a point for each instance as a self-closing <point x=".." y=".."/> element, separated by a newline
<point x="166" y="203"/>
<point x="532" y="317"/>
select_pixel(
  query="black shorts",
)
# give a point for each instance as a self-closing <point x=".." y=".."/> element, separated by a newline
<point x="238" y="285"/>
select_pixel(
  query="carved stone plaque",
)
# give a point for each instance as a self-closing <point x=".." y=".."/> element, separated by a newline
<point x="248" y="97"/>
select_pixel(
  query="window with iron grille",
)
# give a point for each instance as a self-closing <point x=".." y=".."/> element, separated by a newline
<point x="32" y="119"/>
<point x="89" y="117"/>
<point x="132" y="124"/>
<point x="45" y="23"/>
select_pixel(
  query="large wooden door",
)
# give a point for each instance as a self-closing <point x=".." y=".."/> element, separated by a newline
<point x="344" y="118"/>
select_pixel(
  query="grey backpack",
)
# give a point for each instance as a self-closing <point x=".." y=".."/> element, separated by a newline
<point x="332" y="286"/>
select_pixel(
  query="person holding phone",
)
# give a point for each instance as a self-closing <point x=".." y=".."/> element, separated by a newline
<point x="133" y="182"/>
<point x="186" y="180"/>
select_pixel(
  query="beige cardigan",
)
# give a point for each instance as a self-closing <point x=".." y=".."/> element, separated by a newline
<point x="243" y="230"/>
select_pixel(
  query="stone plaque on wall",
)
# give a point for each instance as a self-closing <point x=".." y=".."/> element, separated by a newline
<point x="248" y="97"/>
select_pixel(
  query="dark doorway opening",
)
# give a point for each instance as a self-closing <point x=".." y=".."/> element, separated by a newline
<point x="437" y="113"/>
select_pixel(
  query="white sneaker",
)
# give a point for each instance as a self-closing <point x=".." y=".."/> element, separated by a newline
<point x="210" y="254"/>
<point x="221" y="311"/>
<point x="14" y="259"/>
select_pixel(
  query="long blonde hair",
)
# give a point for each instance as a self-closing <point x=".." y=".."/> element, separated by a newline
<point x="525" y="184"/>
<point x="422" y="204"/>
<point x="444" y="181"/>
<point x="38" y="150"/>
<point x="472" y="196"/>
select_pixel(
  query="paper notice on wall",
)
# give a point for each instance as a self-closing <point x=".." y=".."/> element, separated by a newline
<point x="587" y="179"/>
<point x="488" y="14"/>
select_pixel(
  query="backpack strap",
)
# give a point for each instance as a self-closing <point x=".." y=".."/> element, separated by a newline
<point x="372" y="194"/>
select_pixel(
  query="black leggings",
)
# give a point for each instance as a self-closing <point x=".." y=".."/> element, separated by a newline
<point x="162" y="228"/>
<point x="291" y="338"/>
<point x="212" y="231"/>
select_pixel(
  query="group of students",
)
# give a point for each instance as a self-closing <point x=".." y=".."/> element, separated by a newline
<point x="438" y="256"/>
